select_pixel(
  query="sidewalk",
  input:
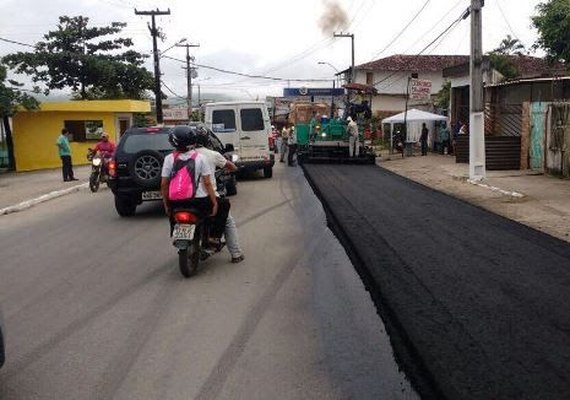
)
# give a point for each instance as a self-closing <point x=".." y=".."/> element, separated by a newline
<point x="19" y="190"/>
<point x="539" y="201"/>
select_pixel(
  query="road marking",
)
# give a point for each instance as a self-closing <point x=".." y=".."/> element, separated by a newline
<point x="496" y="189"/>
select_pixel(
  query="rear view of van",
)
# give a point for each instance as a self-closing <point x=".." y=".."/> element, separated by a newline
<point x="247" y="127"/>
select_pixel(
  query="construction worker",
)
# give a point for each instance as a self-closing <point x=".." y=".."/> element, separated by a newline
<point x="285" y="132"/>
<point x="353" y="142"/>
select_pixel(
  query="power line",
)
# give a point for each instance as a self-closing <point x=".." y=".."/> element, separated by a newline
<point x="506" y="20"/>
<point x="272" y="78"/>
<point x="16" y="42"/>
<point x="463" y="16"/>
<point x="402" y="31"/>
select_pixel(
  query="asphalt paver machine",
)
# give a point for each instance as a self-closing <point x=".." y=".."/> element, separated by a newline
<point x="321" y="139"/>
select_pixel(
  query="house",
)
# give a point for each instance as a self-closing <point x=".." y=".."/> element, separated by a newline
<point x="35" y="132"/>
<point x="390" y="78"/>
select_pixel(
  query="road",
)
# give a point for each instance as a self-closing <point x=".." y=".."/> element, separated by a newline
<point x="477" y="305"/>
<point x="95" y="307"/>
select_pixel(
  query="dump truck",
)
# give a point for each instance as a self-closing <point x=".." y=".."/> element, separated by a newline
<point x="321" y="139"/>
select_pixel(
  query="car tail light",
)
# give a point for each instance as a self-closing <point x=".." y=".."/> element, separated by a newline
<point x="185" y="217"/>
<point x="112" y="166"/>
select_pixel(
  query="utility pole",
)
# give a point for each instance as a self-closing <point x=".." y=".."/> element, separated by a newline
<point x="188" y="77"/>
<point x="154" y="33"/>
<point x="477" y="111"/>
<point x="351" y="36"/>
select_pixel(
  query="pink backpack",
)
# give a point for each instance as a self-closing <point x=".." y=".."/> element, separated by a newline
<point x="182" y="184"/>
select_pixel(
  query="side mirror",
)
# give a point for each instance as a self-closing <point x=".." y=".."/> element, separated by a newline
<point x="229" y="148"/>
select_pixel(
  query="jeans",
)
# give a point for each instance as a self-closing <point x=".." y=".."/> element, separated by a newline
<point x="283" y="149"/>
<point x="291" y="153"/>
<point x="353" y="146"/>
<point x="66" y="168"/>
<point x="424" y="147"/>
<point x="232" y="239"/>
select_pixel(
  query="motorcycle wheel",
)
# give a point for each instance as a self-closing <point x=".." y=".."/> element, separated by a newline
<point x="94" y="182"/>
<point x="188" y="259"/>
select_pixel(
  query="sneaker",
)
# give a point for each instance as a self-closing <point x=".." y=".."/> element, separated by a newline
<point x="238" y="259"/>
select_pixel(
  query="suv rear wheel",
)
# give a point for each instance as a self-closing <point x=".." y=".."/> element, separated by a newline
<point x="267" y="172"/>
<point x="125" y="206"/>
<point x="146" y="168"/>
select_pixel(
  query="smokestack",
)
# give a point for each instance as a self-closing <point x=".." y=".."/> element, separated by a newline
<point x="333" y="18"/>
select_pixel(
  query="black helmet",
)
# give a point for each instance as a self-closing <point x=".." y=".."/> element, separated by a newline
<point x="202" y="137"/>
<point x="182" y="136"/>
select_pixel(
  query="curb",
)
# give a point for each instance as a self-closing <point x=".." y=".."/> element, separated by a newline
<point x="515" y="195"/>
<point x="24" y="205"/>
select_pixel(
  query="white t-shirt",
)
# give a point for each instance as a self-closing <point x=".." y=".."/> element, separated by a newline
<point x="202" y="169"/>
<point x="215" y="160"/>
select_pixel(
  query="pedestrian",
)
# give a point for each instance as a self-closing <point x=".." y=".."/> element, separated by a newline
<point x="292" y="147"/>
<point x="223" y="218"/>
<point x="353" y="142"/>
<point x="64" y="150"/>
<point x="444" y="138"/>
<point x="284" y="142"/>
<point x="424" y="139"/>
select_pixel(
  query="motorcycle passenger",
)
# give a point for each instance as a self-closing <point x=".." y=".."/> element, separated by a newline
<point x="224" y="217"/>
<point x="183" y="139"/>
<point x="105" y="148"/>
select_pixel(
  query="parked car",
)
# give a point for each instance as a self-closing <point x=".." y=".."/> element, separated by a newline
<point x="134" y="172"/>
<point x="2" y="342"/>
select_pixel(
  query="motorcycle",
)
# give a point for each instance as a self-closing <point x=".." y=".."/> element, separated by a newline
<point x="98" y="172"/>
<point x="191" y="234"/>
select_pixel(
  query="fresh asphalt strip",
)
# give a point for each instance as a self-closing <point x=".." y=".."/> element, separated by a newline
<point x="477" y="306"/>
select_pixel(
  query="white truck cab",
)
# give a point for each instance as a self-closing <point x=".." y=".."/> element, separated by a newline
<point x="246" y="125"/>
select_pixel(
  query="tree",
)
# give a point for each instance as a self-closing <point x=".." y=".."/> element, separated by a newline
<point x="12" y="97"/>
<point x="84" y="59"/>
<point x="553" y="24"/>
<point x="501" y="57"/>
<point x="443" y="97"/>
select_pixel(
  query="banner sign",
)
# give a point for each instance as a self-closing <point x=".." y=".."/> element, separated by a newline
<point x="420" y="89"/>
<point x="303" y="91"/>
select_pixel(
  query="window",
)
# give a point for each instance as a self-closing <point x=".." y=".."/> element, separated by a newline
<point x="251" y="119"/>
<point x="223" y="121"/>
<point x="82" y="131"/>
<point x="370" y="78"/>
<point x="157" y="142"/>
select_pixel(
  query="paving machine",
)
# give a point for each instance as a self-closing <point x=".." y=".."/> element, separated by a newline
<point x="321" y="139"/>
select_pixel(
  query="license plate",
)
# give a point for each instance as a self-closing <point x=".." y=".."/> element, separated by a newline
<point x="154" y="195"/>
<point x="183" y="232"/>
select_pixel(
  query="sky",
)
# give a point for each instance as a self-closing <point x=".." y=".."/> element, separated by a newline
<point x="280" y="39"/>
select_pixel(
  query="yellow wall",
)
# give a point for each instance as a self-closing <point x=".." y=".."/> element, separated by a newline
<point x="35" y="134"/>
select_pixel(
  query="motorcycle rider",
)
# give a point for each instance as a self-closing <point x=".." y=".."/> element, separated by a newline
<point x="224" y="217"/>
<point x="105" y="148"/>
<point x="183" y="139"/>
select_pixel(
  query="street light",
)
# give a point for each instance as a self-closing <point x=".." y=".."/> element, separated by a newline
<point x="329" y="64"/>
<point x="174" y="45"/>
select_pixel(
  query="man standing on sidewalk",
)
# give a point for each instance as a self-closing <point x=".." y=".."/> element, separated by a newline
<point x="64" y="150"/>
<point x="424" y="139"/>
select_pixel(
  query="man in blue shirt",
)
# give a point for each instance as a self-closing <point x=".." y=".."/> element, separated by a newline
<point x="64" y="150"/>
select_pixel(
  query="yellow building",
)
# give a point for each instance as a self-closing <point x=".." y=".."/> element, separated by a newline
<point x="35" y="132"/>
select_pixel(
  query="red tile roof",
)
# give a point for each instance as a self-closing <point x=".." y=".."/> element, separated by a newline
<point x="529" y="66"/>
<point x="405" y="62"/>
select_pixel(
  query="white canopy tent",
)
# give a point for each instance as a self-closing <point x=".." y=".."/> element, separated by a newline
<point x="414" y="119"/>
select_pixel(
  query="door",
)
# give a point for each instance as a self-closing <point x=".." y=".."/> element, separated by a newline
<point x="537" y="134"/>
<point x="124" y="124"/>
<point x="254" y="135"/>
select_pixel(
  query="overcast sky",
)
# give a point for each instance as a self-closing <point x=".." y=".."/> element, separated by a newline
<point x="283" y="39"/>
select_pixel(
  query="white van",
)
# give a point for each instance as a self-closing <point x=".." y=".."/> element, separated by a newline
<point x="246" y="125"/>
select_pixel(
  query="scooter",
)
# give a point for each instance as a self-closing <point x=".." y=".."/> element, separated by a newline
<point x="191" y="235"/>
